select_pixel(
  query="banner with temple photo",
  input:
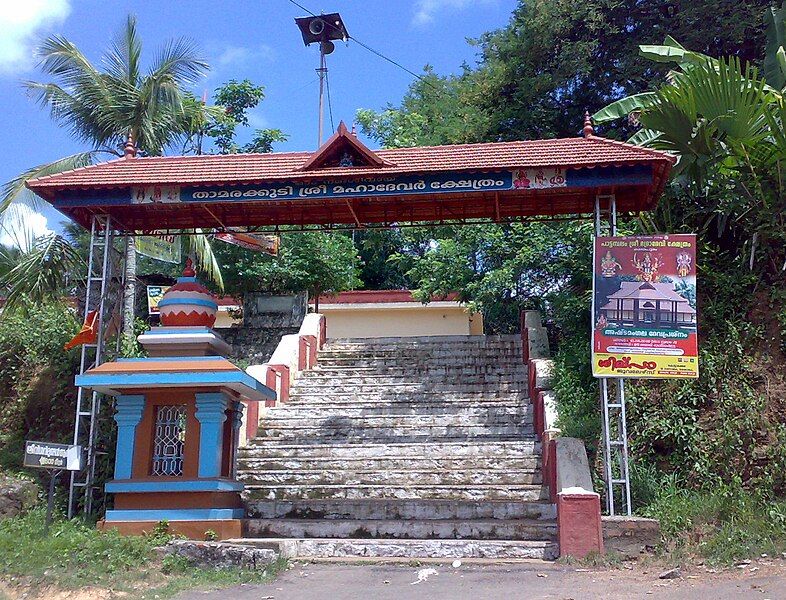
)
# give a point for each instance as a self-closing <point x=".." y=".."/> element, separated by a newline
<point x="644" y="307"/>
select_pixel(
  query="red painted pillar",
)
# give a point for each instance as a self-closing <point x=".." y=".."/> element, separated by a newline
<point x="579" y="527"/>
<point x="252" y="418"/>
<point x="312" y="351"/>
<point x="278" y="379"/>
<point x="539" y="414"/>
<point x="302" y="353"/>
<point x="322" y="331"/>
<point x="551" y="459"/>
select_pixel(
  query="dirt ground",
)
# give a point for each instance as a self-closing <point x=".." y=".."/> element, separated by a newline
<point x="762" y="580"/>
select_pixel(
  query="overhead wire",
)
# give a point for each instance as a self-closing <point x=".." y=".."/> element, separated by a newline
<point x="330" y="104"/>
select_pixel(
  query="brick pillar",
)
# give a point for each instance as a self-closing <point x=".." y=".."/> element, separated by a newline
<point x="579" y="527"/>
<point x="127" y="417"/>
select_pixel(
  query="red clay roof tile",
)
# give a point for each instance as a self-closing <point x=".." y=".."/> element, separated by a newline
<point x="254" y="168"/>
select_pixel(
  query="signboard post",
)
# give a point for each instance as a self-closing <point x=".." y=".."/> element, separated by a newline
<point x="55" y="458"/>
<point x="644" y="307"/>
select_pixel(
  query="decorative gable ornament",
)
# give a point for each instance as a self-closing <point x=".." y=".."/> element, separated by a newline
<point x="343" y="149"/>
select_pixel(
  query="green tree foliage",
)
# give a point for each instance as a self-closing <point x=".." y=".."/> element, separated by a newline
<point x="556" y="58"/>
<point x="311" y="260"/>
<point x="233" y="100"/>
<point x="103" y="107"/>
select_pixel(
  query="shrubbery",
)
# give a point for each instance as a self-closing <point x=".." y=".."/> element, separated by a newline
<point x="37" y="392"/>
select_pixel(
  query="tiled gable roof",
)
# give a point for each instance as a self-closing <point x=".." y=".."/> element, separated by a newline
<point x="577" y="152"/>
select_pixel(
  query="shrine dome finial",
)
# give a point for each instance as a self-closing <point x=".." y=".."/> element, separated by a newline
<point x="188" y="303"/>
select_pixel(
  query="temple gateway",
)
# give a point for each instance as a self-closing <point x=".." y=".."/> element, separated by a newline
<point x="416" y="446"/>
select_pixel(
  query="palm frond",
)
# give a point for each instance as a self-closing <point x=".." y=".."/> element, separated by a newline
<point x="124" y="56"/>
<point x="206" y="262"/>
<point x="179" y="59"/>
<point x="13" y="190"/>
<point x="42" y="273"/>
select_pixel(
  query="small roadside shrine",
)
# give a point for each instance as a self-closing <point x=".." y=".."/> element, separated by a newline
<point x="178" y="417"/>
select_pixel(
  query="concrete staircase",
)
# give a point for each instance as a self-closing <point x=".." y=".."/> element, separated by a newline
<point x="403" y="447"/>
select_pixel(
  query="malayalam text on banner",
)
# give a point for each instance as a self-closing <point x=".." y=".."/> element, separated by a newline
<point x="644" y="307"/>
<point x="159" y="245"/>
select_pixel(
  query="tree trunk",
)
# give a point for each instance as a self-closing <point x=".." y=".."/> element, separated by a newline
<point x="129" y="293"/>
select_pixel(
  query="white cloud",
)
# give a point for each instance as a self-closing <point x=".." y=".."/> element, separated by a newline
<point x="20" y="225"/>
<point x="20" y="22"/>
<point x="426" y="10"/>
<point x="257" y="120"/>
<point x="241" y="55"/>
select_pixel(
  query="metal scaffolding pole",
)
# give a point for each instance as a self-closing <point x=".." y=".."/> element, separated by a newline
<point x="615" y="430"/>
<point x="88" y="404"/>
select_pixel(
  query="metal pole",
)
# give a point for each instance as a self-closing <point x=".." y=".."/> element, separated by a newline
<point x="50" y="500"/>
<point x="322" y="71"/>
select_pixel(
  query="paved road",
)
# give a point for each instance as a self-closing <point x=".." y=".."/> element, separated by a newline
<point x="502" y="582"/>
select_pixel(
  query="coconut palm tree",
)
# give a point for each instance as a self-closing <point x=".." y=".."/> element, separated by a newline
<point x="107" y="106"/>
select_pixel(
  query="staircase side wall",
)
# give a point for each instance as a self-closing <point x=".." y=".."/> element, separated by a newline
<point x="266" y="319"/>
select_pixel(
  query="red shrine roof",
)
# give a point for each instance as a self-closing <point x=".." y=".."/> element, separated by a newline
<point x="252" y="168"/>
<point x="344" y="182"/>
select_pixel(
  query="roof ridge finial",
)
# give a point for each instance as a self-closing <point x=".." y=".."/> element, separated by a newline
<point x="588" y="130"/>
<point x="129" y="148"/>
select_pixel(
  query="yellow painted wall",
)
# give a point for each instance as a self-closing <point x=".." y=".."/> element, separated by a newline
<point x="412" y="320"/>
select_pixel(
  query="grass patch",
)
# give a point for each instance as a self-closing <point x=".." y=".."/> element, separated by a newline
<point x="74" y="555"/>
<point x="722" y="524"/>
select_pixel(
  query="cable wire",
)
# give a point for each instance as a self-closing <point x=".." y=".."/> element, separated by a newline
<point x="330" y="104"/>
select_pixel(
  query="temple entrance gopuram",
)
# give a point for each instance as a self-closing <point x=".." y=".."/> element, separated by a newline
<point x="411" y="447"/>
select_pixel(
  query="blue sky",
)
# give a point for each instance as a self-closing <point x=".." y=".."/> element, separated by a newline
<point x="254" y="39"/>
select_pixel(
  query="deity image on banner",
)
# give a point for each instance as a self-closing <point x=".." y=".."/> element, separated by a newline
<point x="647" y="267"/>
<point x="609" y="265"/>
<point x="683" y="264"/>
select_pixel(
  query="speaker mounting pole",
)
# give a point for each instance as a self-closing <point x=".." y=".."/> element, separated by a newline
<point x="322" y="29"/>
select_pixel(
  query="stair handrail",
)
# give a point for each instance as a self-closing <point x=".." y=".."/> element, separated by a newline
<point x="294" y="353"/>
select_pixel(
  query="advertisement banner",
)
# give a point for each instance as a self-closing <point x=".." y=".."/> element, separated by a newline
<point x="644" y="307"/>
<point x="159" y="245"/>
<point x="154" y="295"/>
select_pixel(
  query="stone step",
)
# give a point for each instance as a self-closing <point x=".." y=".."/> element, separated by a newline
<point x="433" y="448"/>
<point x="477" y="492"/>
<point x="428" y="339"/>
<point x="349" y="383"/>
<point x="284" y="417"/>
<point x="394" y="509"/>
<point x="400" y="433"/>
<point x="307" y="387"/>
<point x="490" y="529"/>
<point x="422" y="362"/>
<point x="416" y="374"/>
<point x="256" y="462"/>
<point x="414" y="549"/>
<point x="306" y="410"/>
<point x="392" y="397"/>
<point x="415" y="353"/>
<point x="339" y="476"/>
